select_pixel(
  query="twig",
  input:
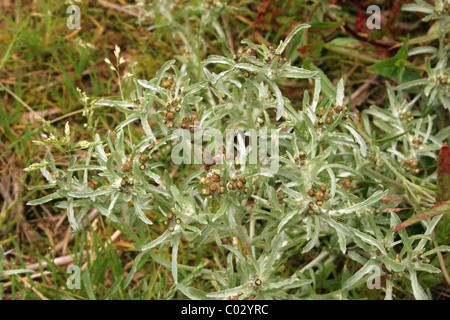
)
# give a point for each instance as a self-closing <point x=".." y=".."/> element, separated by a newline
<point x="58" y="261"/>
<point x="118" y="8"/>
<point x="33" y="276"/>
<point x="29" y="286"/>
<point x="22" y="102"/>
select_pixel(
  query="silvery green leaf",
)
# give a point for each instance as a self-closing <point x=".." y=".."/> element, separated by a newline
<point x="112" y="204"/>
<point x="141" y="213"/>
<point x="148" y="85"/>
<point x="437" y="249"/>
<point x="283" y="44"/>
<point x="277" y="245"/>
<point x="296" y="73"/>
<point x="430" y="88"/>
<point x="316" y="96"/>
<point x="85" y="167"/>
<point x="333" y="182"/>
<point x="368" y="239"/>
<point x="391" y="263"/>
<point x="358" y="138"/>
<point x="147" y="129"/>
<point x="177" y="196"/>
<point x="43" y="187"/>
<point x="154" y="177"/>
<point x="359" y="274"/>
<point x="218" y="60"/>
<point x="48" y="176"/>
<point x="272" y="197"/>
<point x="340" y="92"/>
<point x="428" y="268"/>
<point x="255" y="47"/>
<point x="236" y="253"/>
<point x="228" y="292"/>
<point x="413" y="7"/>
<point x="119" y="143"/>
<point x="356" y="257"/>
<point x="71" y="215"/>
<point x="291" y="193"/>
<point x="288" y="284"/>
<point x="223" y="208"/>
<point x="340" y="228"/>
<point x="413" y="83"/>
<point x="418" y="292"/>
<point x="342" y="167"/>
<point x="342" y="240"/>
<point x="362" y="244"/>
<point x="157" y="241"/>
<point x="82" y="213"/>
<point x="380" y="114"/>
<point x="315" y="237"/>
<point x="45" y="199"/>
<point x="175" y="246"/>
<point x="88" y="193"/>
<point x="112" y="103"/>
<point x="192" y="293"/>
<point x="162" y="71"/>
<point x="377" y="196"/>
<point x="430" y="226"/>
<point x="130" y="119"/>
<point x="250" y="67"/>
<point x="422" y="50"/>
<point x="108" y="103"/>
<point x="394" y="222"/>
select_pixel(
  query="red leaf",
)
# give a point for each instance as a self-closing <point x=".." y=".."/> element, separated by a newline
<point x="440" y="208"/>
<point x="443" y="174"/>
<point x="442" y="191"/>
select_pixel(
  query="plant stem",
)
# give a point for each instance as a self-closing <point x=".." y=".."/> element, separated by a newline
<point x="442" y="263"/>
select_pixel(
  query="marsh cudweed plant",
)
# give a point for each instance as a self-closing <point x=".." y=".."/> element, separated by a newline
<point x="327" y="184"/>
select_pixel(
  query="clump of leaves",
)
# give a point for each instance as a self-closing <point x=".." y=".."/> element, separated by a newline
<point x="308" y="191"/>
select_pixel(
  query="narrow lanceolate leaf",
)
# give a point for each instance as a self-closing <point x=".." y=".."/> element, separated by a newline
<point x="443" y="175"/>
<point x="157" y="241"/>
<point x="288" y="39"/>
<point x="358" y="138"/>
<point x="45" y="199"/>
<point x="367" y="268"/>
<point x="294" y="72"/>
<point x="340" y="93"/>
<point x="88" y="193"/>
<point x="440" y="208"/>
<point x="192" y="293"/>
<point x="377" y="196"/>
